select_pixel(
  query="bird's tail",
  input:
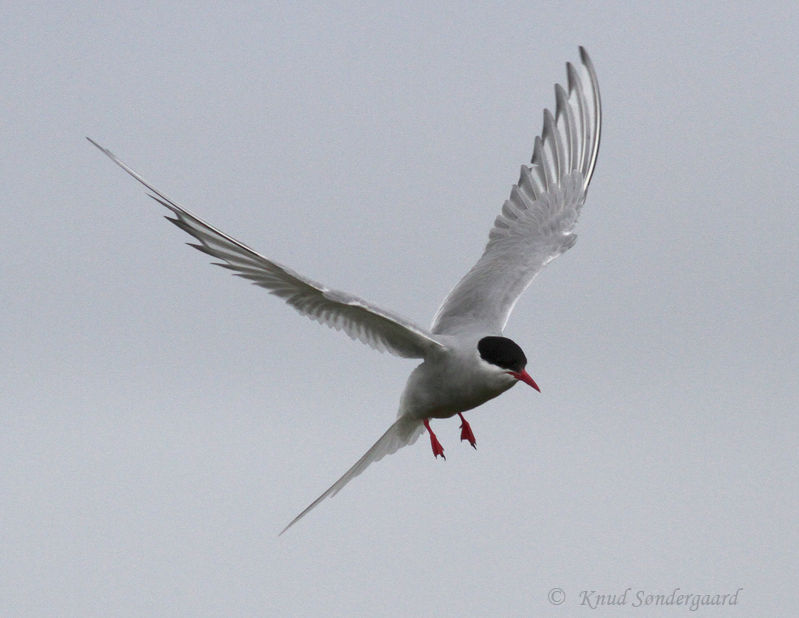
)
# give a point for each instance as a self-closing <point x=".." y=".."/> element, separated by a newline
<point x="403" y="432"/>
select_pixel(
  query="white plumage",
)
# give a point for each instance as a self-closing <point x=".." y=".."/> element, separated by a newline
<point x="536" y="222"/>
<point x="466" y="361"/>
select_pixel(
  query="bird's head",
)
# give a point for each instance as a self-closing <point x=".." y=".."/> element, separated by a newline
<point x="507" y="357"/>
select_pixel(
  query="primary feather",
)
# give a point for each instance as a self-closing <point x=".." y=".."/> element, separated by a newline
<point x="361" y="320"/>
<point x="536" y="222"/>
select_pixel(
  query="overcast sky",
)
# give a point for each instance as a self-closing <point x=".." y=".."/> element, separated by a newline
<point x="162" y="421"/>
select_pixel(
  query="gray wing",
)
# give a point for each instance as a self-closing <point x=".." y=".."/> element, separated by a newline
<point x="404" y="431"/>
<point x="374" y="326"/>
<point x="536" y="222"/>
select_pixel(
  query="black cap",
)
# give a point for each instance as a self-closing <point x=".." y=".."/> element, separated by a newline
<point x="502" y="352"/>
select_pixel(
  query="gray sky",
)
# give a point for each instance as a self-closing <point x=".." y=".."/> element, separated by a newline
<point x="162" y="420"/>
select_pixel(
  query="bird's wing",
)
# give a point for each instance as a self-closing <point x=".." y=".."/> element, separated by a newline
<point x="374" y="326"/>
<point x="536" y="222"/>
<point x="403" y="432"/>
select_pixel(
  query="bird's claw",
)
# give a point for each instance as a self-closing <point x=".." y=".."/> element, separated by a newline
<point x="466" y="432"/>
<point x="437" y="448"/>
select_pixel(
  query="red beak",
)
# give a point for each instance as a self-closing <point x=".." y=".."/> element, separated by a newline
<point x="525" y="377"/>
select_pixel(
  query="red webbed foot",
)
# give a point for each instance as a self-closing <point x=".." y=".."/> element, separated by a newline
<point x="437" y="448"/>
<point x="466" y="432"/>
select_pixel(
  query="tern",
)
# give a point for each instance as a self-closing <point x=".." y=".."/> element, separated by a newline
<point x="465" y="359"/>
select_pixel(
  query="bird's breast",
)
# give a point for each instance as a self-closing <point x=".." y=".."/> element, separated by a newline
<point x="441" y="390"/>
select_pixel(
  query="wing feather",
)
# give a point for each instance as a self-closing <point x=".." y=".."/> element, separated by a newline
<point x="536" y="222"/>
<point x="360" y="320"/>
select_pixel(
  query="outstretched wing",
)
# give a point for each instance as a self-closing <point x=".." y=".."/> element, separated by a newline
<point x="536" y="222"/>
<point x="376" y="327"/>
<point x="403" y="432"/>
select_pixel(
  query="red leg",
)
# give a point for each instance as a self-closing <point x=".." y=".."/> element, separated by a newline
<point x="466" y="432"/>
<point x="437" y="448"/>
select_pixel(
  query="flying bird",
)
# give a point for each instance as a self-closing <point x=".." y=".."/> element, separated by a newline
<point x="465" y="359"/>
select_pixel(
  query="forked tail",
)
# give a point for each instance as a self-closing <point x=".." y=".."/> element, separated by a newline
<point x="403" y="432"/>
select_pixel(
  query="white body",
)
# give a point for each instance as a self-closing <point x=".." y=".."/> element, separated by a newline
<point x="453" y="381"/>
